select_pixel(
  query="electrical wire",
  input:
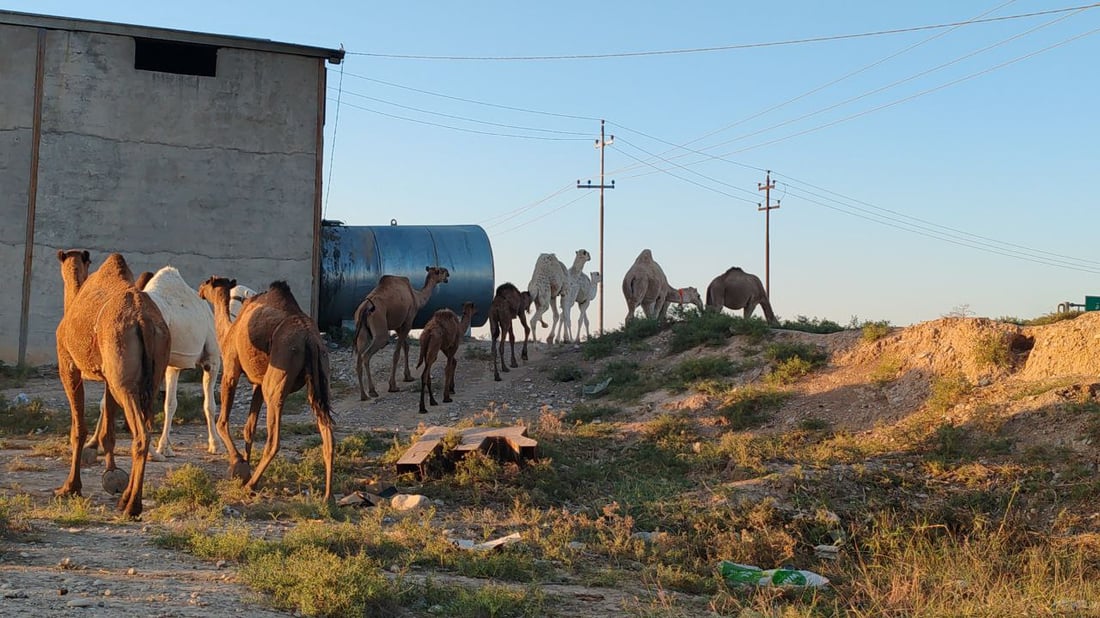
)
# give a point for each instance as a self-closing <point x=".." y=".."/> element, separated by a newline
<point x="332" y="146"/>
<point x="512" y="214"/>
<point x="696" y="50"/>
<point x="466" y="130"/>
<point x="464" y="118"/>
<point x="544" y="215"/>
<point x="714" y="180"/>
<point x="472" y="101"/>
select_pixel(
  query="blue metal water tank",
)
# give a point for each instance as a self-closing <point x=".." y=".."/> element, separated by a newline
<point x="354" y="258"/>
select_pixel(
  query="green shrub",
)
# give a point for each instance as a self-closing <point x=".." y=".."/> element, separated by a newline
<point x="627" y="382"/>
<point x="702" y="368"/>
<point x="633" y="332"/>
<point x="31" y="417"/>
<point x="807" y="325"/>
<point x="586" y="413"/>
<point x="779" y="352"/>
<point x="946" y="391"/>
<point x="748" y="407"/>
<point x="873" y="331"/>
<point x="714" y="328"/>
<point x="991" y="349"/>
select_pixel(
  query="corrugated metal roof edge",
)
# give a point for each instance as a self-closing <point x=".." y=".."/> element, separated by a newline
<point x="51" y="22"/>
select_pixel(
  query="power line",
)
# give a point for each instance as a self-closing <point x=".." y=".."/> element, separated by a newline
<point x="512" y="214"/>
<point x="696" y="50"/>
<point x="925" y="222"/>
<point x="472" y="101"/>
<point x="453" y="128"/>
<point x="544" y="215"/>
<point x="332" y="146"/>
<point x="688" y="180"/>
<point x="464" y="118"/>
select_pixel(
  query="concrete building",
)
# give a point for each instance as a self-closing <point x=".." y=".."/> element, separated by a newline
<point x="196" y="150"/>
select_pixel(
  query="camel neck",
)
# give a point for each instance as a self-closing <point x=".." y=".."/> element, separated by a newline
<point x="465" y="324"/>
<point x="423" y="294"/>
<point x="222" y="322"/>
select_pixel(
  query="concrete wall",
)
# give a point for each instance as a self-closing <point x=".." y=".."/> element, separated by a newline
<point x="17" y="53"/>
<point x="213" y="175"/>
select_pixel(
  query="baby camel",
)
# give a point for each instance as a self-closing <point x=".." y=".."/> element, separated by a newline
<point x="442" y="333"/>
<point x="508" y="304"/>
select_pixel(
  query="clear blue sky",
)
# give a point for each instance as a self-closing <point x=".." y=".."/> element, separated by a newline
<point x="991" y="177"/>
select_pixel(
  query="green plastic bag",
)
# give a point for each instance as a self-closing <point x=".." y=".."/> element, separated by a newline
<point x="747" y="574"/>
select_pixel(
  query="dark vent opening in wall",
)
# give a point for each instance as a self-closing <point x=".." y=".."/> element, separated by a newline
<point x="175" y="57"/>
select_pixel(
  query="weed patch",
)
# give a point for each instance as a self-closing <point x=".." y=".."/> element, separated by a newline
<point x="747" y="407"/>
<point x="873" y="331"/>
<point x="946" y="392"/>
<point x="567" y="373"/>
<point x="991" y="350"/>
<point x="633" y="332"/>
<point x="31" y="418"/>
<point x="703" y="368"/>
<point x="714" y="328"/>
<point x="814" y="325"/>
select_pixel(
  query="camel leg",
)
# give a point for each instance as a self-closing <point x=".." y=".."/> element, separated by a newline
<point x="362" y="349"/>
<point x="380" y="340"/>
<point x="426" y="384"/>
<point x="449" y="378"/>
<point x="325" y="429"/>
<point x="96" y="439"/>
<point x="554" y="322"/>
<point x="567" y="322"/>
<point x="209" y="372"/>
<point x="78" y="431"/>
<point x="405" y="350"/>
<point x="497" y="337"/>
<point x="396" y="358"/>
<point x="536" y="319"/>
<point x="171" y="383"/>
<point x="523" y="320"/>
<point x="137" y="420"/>
<point x="275" y="385"/>
<point x="749" y="308"/>
<point x="231" y="375"/>
<point x="511" y="342"/>
<point x="252" y="419"/>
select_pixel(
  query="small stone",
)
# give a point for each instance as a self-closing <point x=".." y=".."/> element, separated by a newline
<point x="131" y="571"/>
<point x="577" y="546"/>
<point x="107" y="592"/>
<point x="15" y="594"/>
<point x="62" y="592"/>
<point x="220" y="564"/>
<point x="408" y="502"/>
<point x="80" y="603"/>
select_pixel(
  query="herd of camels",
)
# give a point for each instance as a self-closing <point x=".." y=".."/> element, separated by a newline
<point x="144" y="331"/>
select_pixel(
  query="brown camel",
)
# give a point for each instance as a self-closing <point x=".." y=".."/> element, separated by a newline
<point x="442" y="333"/>
<point x="737" y="289"/>
<point x="110" y="332"/>
<point x="391" y="305"/>
<point x="279" y="349"/>
<point x="508" y="304"/>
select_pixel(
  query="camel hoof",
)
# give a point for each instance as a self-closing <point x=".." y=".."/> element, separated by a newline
<point x="88" y="456"/>
<point x="373" y="393"/>
<point x="407" y="379"/>
<point x="115" y="481"/>
<point x="423" y="411"/>
<point x="515" y="364"/>
<point x="66" y="490"/>
<point x="394" y="389"/>
<point x="363" y="397"/>
<point x="240" y="471"/>
<point x="156" y="455"/>
<point x="496" y="378"/>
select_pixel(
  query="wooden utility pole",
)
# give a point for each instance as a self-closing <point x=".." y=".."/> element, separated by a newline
<point x="600" y="144"/>
<point x="767" y="187"/>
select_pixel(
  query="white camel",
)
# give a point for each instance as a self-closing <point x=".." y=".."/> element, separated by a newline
<point x="237" y="297"/>
<point x="590" y="287"/>
<point x="194" y="343"/>
<point x="575" y="279"/>
<point x="545" y="287"/>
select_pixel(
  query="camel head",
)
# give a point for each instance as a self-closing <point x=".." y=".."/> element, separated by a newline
<point x="74" y="265"/>
<point x="143" y="280"/>
<point x="468" y="309"/>
<point x="596" y="277"/>
<point x="216" y="290"/>
<point x="525" y="301"/>
<point x="690" y="295"/>
<point x="438" y="274"/>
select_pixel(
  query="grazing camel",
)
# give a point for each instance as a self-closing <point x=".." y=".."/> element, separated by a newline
<point x="508" y="304"/>
<point x="590" y="288"/>
<point x="645" y="285"/>
<point x="547" y="282"/>
<point x="736" y="289"/>
<point x="681" y="296"/>
<point x="575" y="278"/>
<point x="391" y="305"/>
<point x="194" y="344"/>
<point x="279" y="349"/>
<point x="111" y="332"/>
<point x="442" y="333"/>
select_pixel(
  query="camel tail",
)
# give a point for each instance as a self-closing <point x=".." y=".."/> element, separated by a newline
<point x="361" y="326"/>
<point x="320" y="398"/>
<point x="710" y="296"/>
<point x="148" y="369"/>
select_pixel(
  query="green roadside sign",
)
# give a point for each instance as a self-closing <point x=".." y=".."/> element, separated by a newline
<point x="1092" y="303"/>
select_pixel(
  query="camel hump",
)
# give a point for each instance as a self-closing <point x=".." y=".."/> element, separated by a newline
<point x="279" y="291"/>
<point x="505" y="288"/>
<point x="733" y="269"/>
<point x="645" y="256"/>
<point x="115" y="267"/>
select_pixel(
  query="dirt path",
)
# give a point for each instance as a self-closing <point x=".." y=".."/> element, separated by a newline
<point x="114" y="569"/>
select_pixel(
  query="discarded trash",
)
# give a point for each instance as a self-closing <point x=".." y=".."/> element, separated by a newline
<point x="755" y="576"/>
<point x="22" y="399"/>
<point x="827" y="552"/>
<point x="597" y="388"/>
<point x="487" y="545"/>
<point x="501" y="442"/>
<point x="358" y="498"/>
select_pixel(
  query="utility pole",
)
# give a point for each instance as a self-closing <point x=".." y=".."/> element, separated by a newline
<point x="600" y="145"/>
<point x="767" y="187"/>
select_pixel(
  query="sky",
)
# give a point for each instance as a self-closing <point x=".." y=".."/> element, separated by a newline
<point x="933" y="171"/>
